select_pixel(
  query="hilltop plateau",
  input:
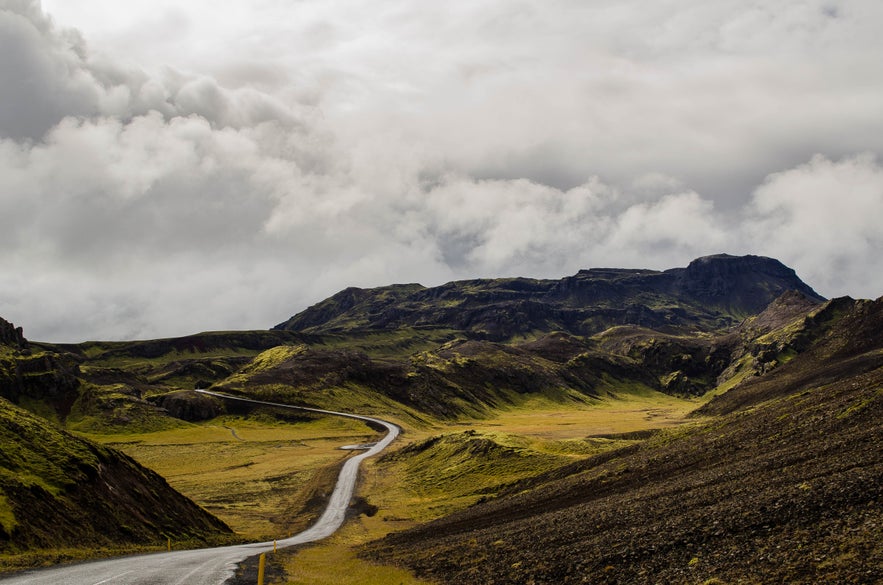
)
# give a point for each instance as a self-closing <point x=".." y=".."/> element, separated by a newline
<point x="711" y="293"/>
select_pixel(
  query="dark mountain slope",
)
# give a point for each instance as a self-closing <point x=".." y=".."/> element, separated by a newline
<point x="710" y="293"/>
<point x="786" y="487"/>
<point x="60" y="491"/>
<point x="841" y="339"/>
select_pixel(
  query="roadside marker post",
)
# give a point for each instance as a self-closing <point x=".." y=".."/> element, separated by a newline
<point x="170" y="544"/>
<point x="262" y="563"/>
<point x="274" y="546"/>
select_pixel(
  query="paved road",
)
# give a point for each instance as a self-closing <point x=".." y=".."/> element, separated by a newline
<point x="215" y="565"/>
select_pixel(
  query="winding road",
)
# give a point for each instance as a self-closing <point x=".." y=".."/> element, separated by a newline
<point x="212" y="566"/>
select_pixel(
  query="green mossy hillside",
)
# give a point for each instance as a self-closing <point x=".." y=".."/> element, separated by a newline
<point x="460" y="378"/>
<point x="455" y="470"/>
<point x="60" y="491"/>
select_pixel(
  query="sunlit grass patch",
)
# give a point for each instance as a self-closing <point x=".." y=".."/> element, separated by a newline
<point x="257" y="475"/>
<point x="628" y="412"/>
<point x="336" y="562"/>
<point x="7" y="516"/>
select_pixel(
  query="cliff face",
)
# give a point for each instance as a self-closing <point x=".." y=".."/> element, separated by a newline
<point x="711" y="293"/>
<point x="35" y="374"/>
<point x="743" y="283"/>
<point x="11" y="336"/>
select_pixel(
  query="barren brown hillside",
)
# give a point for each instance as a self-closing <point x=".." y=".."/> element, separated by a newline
<point x="784" y="488"/>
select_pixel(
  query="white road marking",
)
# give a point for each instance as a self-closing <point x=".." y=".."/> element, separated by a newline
<point x="112" y="578"/>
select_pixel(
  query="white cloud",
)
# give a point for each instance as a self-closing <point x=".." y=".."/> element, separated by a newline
<point x="824" y="217"/>
<point x="197" y="166"/>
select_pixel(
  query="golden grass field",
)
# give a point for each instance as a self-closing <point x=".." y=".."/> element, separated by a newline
<point x="256" y="475"/>
<point x="265" y="478"/>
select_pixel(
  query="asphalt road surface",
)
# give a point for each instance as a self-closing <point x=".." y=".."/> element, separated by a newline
<point x="212" y="566"/>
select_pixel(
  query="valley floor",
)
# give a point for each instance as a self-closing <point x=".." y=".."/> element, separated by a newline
<point x="243" y="469"/>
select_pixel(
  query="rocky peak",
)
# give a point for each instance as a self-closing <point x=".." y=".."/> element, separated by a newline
<point x="748" y="280"/>
<point x="729" y="264"/>
<point x="11" y="335"/>
<point x="787" y="307"/>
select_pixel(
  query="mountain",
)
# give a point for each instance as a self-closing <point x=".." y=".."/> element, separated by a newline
<point x="711" y="293"/>
<point x="461" y="348"/>
<point x="779" y="480"/>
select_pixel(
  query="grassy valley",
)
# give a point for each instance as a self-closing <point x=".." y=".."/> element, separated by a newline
<point x="616" y="426"/>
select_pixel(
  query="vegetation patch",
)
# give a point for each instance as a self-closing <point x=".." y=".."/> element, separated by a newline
<point x="7" y="516"/>
<point x="58" y="491"/>
<point x="264" y="477"/>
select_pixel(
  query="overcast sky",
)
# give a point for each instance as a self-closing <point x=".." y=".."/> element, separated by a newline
<point x="173" y="167"/>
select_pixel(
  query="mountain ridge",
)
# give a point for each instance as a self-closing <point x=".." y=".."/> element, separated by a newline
<point x="712" y="292"/>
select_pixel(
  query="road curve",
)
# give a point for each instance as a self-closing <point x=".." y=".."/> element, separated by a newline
<point x="212" y="566"/>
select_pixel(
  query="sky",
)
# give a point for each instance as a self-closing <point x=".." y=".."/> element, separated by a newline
<point x="174" y="167"/>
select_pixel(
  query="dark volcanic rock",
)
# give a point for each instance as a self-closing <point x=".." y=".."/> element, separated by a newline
<point x="744" y="283"/>
<point x="190" y="406"/>
<point x="11" y="335"/>
<point x="44" y="376"/>
<point x="711" y="293"/>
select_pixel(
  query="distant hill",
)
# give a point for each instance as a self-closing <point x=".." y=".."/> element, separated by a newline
<point x="782" y="483"/>
<point x="457" y="349"/>
<point x="711" y="293"/>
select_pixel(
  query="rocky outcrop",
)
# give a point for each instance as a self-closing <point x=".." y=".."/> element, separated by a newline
<point x="12" y="336"/>
<point x="190" y="406"/>
<point x="41" y="376"/>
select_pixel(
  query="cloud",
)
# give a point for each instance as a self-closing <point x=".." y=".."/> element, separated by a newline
<point x="824" y="217"/>
<point x="40" y="75"/>
<point x="254" y="162"/>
